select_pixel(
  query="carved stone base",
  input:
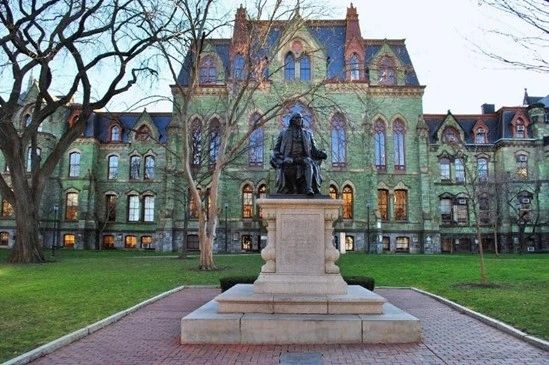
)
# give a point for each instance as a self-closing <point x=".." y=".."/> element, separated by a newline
<point x="328" y="284"/>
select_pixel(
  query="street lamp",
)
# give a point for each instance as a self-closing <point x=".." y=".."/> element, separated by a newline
<point x="226" y="227"/>
<point x="55" y="220"/>
<point x="367" y="228"/>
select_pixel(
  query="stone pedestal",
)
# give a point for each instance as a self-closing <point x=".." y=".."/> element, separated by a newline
<point x="299" y="296"/>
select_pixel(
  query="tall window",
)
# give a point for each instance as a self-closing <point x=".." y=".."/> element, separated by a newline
<point x="196" y="142"/>
<point x="387" y="72"/>
<point x="207" y="71"/>
<point x="524" y="206"/>
<point x="130" y="241"/>
<point x="134" y="208"/>
<point x="110" y="207"/>
<point x="113" y="167"/>
<point x="339" y="140"/>
<point x="116" y="136"/>
<point x="444" y="169"/>
<point x="398" y="138"/>
<point x="4" y="238"/>
<point x="305" y="68"/>
<point x="480" y="136"/>
<point x="289" y="67"/>
<point x="149" y="167"/>
<point x="135" y="167"/>
<point x="446" y="210"/>
<point x="354" y="67"/>
<point x="7" y="209"/>
<point x="148" y="208"/>
<point x="261" y="193"/>
<point x="239" y="67"/>
<point x="347" y="196"/>
<point x="383" y="204"/>
<point x="215" y="141"/>
<point x="349" y="243"/>
<point x="256" y="145"/>
<point x="482" y="168"/>
<point x="333" y="192"/>
<point x="401" y="205"/>
<point x="460" y="211"/>
<point x="460" y="170"/>
<point x="522" y="166"/>
<point x="74" y="164"/>
<point x="379" y="145"/>
<point x="71" y="206"/>
<point x="29" y="157"/>
<point x="247" y="201"/>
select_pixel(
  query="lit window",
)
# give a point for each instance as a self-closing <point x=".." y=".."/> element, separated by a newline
<point x="444" y="169"/>
<point x="149" y="168"/>
<point x="402" y="244"/>
<point x="333" y="192"/>
<point x="305" y="68"/>
<point x="339" y="141"/>
<point x="71" y="206"/>
<point x="354" y="67"/>
<point x="115" y="134"/>
<point x="383" y="204"/>
<point x="215" y="141"/>
<point x="398" y="139"/>
<point x="289" y="67"/>
<point x="113" y="167"/>
<point x="135" y="167"/>
<point x="256" y="145"/>
<point x="7" y="209"/>
<point x="522" y="166"/>
<point x="401" y="205"/>
<point x="4" y="238"/>
<point x="134" y="208"/>
<point x="379" y="141"/>
<point x="460" y="170"/>
<point x="239" y="67"/>
<point x="69" y="240"/>
<point x="196" y="143"/>
<point x="110" y="207"/>
<point x="108" y="241"/>
<point x="146" y="242"/>
<point x="482" y="169"/>
<point x="349" y="243"/>
<point x="247" y="201"/>
<point x="130" y="242"/>
<point x="74" y="164"/>
<point x="246" y="242"/>
<point x="148" y="208"/>
<point x="387" y="73"/>
<point x="207" y="71"/>
<point x="347" y="196"/>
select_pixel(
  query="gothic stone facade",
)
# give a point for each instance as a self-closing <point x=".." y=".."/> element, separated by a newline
<point x="405" y="185"/>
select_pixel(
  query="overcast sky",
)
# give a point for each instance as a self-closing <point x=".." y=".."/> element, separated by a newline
<point x="439" y="37"/>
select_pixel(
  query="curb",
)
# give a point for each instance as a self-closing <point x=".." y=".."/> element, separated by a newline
<point x="88" y="330"/>
<point x="535" y="341"/>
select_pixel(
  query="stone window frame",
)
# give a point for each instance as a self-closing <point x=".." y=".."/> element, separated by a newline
<point x="148" y="211"/>
<point x="72" y="205"/>
<point x="74" y="167"/>
<point x="305" y="67"/>
<point x="106" y="244"/>
<point x="256" y="141"/>
<point x="133" y="211"/>
<point x="347" y="194"/>
<point x="380" y="144"/>
<point x="4" y="238"/>
<point x="207" y="70"/>
<point x="149" y="171"/>
<point x="445" y="161"/>
<point x="387" y="71"/>
<point x="115" y="124"/>
<point x="148" y="244"/>
<point x="338" y="134"/>
<point x="67" y="242"/>
<point x="333" y="191"/>
<point x="110" y="215"/>
<point x="404" y="240"/>
<point x="383" y="214"/>
<point x="134" y="167"/>
<point x="401" y="217"/>
<point x="247" y="192"/>
<point x="112" y="169"/>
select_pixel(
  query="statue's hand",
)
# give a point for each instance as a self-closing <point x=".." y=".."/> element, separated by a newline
<point x="288" y="161"/>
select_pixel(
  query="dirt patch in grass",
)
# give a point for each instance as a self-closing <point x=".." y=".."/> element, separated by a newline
<point x="481" y="286"/>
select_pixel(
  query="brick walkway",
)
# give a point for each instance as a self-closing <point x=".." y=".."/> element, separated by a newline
<point x="151" y="336"/>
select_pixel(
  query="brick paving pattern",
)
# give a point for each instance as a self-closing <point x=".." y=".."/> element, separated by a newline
<point x="151" y="336"/>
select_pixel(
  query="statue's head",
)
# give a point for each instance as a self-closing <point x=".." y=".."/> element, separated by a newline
<point x="296" y="121"/>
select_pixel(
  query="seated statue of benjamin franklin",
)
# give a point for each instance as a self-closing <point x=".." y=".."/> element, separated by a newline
<point x="297" y="160"/>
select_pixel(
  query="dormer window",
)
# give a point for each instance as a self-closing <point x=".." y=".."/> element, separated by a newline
<point x="520" y="130"/>
<point x="387" y="71"/>
<point x="207" y="71"/>
<point x="143" y="133"/>
<point x="450" y="135"/>
<point x="116" y="136"/>
<point x="480" y="136"/>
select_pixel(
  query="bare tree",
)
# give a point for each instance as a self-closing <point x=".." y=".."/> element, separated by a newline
<point x="96" y="49"/>
<point x="531" y="46"/>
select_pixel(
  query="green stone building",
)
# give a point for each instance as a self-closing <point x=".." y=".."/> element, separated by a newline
<point x="404" y="176"/>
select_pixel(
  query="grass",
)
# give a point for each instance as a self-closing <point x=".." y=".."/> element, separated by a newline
<point x="42" y="302"/>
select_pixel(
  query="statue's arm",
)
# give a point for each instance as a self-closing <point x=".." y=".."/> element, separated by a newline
<point x="316" y="153"/>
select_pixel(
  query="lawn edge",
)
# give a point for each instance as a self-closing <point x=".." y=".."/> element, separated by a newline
<point x="49" y="347"/>
<point x="504" y="327"/>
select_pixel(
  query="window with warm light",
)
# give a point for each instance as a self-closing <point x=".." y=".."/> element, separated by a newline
<point x="130" y="241"/>
<point x="332" y="192"/>
<point x="69" y="240"/>
<point x="146" y="242"/>
<point x="4" y="238"/>
<point x="7" y="209"/>
<point x="247" y="201"/>
<point x="401" y="205"/>
<point x="383" y="204"/>
<point x="71" y="206"/>
<point x="522" y="166"/>
<point x="108" y="241"/>
<point x="347" y="196"/>
<point x="402" y="244"/>
<point x="349" y="243"/>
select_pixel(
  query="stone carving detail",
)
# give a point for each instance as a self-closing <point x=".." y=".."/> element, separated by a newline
<point x="268" y="254"/>
<point x="331" y="253"/>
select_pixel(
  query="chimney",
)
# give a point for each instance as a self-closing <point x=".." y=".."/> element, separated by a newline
<point x="240" y="32"/>
<point x="488" y="108"/>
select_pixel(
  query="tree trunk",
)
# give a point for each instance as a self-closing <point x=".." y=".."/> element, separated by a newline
<point x="496" y="239"/>
<point x="206" y="240"/>
<point x="483" y="276"/>
<point x="28" y="247"/>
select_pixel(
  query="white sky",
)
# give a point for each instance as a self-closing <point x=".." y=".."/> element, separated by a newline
<point x="439" y="37"/>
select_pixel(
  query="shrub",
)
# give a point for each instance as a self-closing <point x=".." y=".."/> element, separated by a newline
<point x="228" y="282"/>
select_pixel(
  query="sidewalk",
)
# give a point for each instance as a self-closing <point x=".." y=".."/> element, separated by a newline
<point x="151" y="336"/>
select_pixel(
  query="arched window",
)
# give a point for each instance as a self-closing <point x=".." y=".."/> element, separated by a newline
<point x="444" y="164"/>
<point x="261" y="193"/>
<point x="339" y="140"/>
<point x="196" y="142"/>
<point x="480" y="136"/>
<point x="239" y="67"/>
<point x="149" y="172"/>
<point x="71" y="206"/>
<point x="460" y="170"/>
<point x="110" y="207"/>
<point x="207" y="71"/>
<point x="143" y="133"/>
<point x="135" y="167"/>
<point x="387" y="72"/>
<point x="482" y="168"/>
<point x="383" y="204"/>
<point x="115" y="136"/>
<point x="347" y="196"/>
<point x="74" y="164"/>
<point x="289" y="67"/>
<point x="401" y="205"/>
<point x="134" y="208"/>
<point x="215" y="141"/>
<point x="29" y="157"/>
<point x="519" y="130"/>
<point x="247" y="201"/>
<point x="450" y="135"/>
<point x="256" y="144"/>
<point x="522" y="165"/>
<point x="398" y="139"/>
<point x="305" y="68"/>
<point x="379" y="145"/>
<point x="113" y="167"/>
<point x="148" y="208"/>
<point x="354" y="66"/>
<point x="4" y="238"/>
<point x="27" y="120"/>
<point x="130" y="241"/>
<point x="333" y="192"/>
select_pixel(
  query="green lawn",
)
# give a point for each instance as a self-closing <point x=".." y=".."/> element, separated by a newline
<point x="42" y="302"/>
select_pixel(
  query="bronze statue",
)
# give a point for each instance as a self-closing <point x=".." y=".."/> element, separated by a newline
<point x="297" y="160"/>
